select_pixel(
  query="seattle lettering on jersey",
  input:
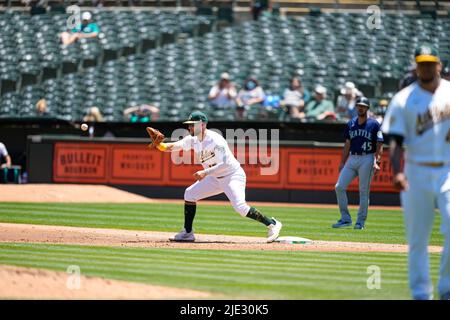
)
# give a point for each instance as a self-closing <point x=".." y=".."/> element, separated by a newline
<point x="363" y="137"/>
<point x="431" y="117"/>
<point x="360" y="133"/>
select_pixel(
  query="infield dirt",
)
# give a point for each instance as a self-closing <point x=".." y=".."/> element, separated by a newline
<point x="29" y="283"/>
<point x="27" y="233"/>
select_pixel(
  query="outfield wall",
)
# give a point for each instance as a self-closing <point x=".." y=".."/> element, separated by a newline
<point x="294" y="172"/>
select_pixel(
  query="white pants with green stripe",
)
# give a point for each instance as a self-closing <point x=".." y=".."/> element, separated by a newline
<point x="232" y="185"/>
<point x="356" y="166"/>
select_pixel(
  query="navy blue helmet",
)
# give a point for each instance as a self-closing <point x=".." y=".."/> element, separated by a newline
<point x="363" y="101"/>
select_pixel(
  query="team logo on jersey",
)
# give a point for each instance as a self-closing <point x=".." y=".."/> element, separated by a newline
<point x="205" y="155"/>
<point x="432" y="116"/>
<point x="360" y="133"/>
<point x="425" y="50"/>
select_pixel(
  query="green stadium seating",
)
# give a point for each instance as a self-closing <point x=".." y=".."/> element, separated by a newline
<point x="329" y="49"/>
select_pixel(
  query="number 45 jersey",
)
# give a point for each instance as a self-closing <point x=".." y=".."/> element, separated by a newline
<point x="363" y="138"/>
<point x="423" y="119"/>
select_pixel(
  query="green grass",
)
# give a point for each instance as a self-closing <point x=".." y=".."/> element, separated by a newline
<point x="230" y="274"/>
<point x="384" y="226"/>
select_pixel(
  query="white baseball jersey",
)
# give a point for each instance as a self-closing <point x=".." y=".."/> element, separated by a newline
<point x="3" y="151"/>
<point x="423" y="119"/>
<point x="213" y="153"/>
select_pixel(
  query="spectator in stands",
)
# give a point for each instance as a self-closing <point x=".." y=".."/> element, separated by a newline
<point x="319" y="108"/>
<point x="271" y="103"/>
<point x="345" y="108"/>
<point x="41" y="108"/>
<point x="87" y="29"/>
<point x="295" y="98"/>
<point x="4" y="154"/>
<point x="379" y="113"/>
<point x="93" y="114"/>
<point x="446" y="73"/>
<point x="223" y="94"/>
<point x="141" y="113"/>
<point x="258" y="6"/>
<point x="250" y="96"/>
<point x="409" y="78"/>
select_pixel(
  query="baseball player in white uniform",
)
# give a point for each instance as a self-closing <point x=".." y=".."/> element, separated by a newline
<point x="221" y="173"/>
<point x="419" y="117"/>
<point x="4" y="154"/>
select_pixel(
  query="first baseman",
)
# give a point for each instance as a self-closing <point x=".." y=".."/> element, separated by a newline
<point x="419" y="117"/>
<point x="361" y="157"/>
<point x="221" y="173"/>
<point x="4" y="154"/>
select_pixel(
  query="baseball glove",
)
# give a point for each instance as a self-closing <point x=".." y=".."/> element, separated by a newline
<point x="156" y="136"/>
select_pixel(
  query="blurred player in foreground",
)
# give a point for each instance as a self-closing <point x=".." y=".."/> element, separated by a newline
<point x="419" y="117"/>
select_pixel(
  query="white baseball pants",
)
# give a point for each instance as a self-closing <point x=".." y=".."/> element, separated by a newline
<point x="232" y="185"/>
<point x="428" y="187"/>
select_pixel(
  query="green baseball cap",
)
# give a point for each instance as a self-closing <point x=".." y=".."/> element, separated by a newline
<point x="196" y="116"/>
<point x="426" y="53"/>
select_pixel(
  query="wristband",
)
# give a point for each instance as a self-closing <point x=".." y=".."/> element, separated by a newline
<point x="162" y="146"/>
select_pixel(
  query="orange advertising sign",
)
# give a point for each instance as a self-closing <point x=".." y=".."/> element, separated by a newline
<point x="263" y="168"/>
<point x="312" y="168"/>
<point x="73" y="162"/>
<point x="295" y="168"/>
<point x="133" y="164"/>
<point x="382" y="181"/>
<point x="318" y="169"/>
<point x="181" y="168"/>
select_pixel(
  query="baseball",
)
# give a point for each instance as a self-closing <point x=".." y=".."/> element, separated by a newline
<point x="84" y="127"/>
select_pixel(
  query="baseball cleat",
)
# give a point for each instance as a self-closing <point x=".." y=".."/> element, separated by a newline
<point x="274" y="230"/>
<point x="342" y="224"/>
<point x="183" y="236"/>
<point x="359" y="226"/>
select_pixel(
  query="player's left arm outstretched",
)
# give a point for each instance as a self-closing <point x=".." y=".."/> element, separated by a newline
<point x="158" y="138"/>
<point x="184" y="144"/>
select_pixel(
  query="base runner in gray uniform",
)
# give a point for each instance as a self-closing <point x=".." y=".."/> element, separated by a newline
<point x="361" y="157"/>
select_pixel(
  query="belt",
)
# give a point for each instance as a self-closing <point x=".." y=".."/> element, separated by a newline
<point x="360" y="153"/>
<point x="224" y="176"/>
<point x="431" y="164"/>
